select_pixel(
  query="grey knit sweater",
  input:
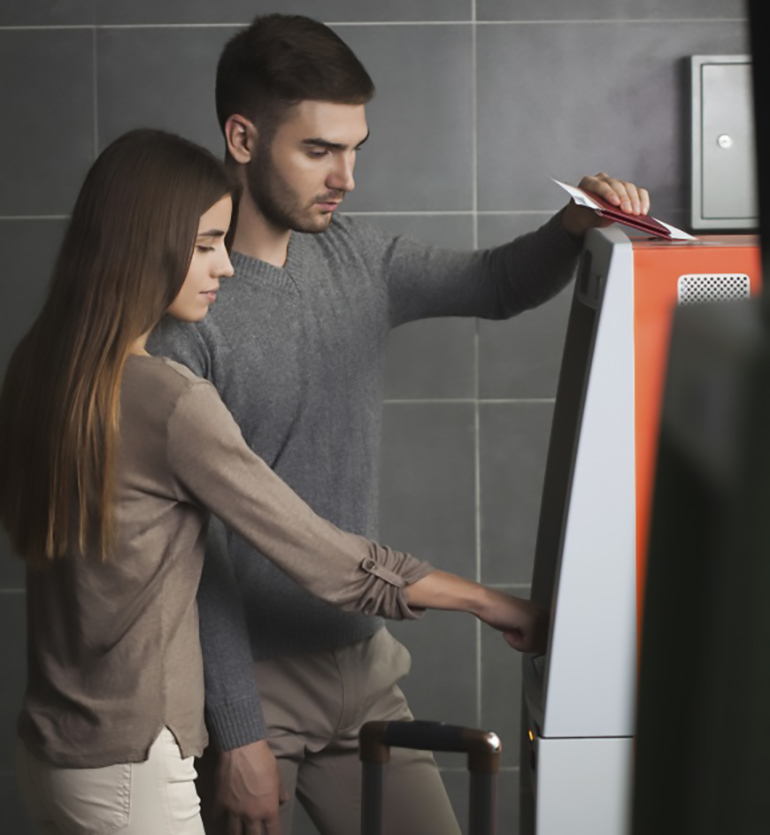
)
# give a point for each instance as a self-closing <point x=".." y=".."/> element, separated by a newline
<point x="296" y="354"/>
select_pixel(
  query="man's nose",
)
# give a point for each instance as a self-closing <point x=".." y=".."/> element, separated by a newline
<point x="341" y="177"/>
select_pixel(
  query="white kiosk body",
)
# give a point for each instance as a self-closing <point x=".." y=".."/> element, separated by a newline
<point x="578" y="707"/>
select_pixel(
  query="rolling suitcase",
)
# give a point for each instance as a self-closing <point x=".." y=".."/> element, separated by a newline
<point x="483" y="749"/>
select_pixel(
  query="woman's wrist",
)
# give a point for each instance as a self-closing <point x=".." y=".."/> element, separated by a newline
<point x="440" y="590"/>
<point x="481" y="601"/>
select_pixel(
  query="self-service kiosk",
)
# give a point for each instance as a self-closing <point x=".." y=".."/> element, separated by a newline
<point x="579" y="697"/>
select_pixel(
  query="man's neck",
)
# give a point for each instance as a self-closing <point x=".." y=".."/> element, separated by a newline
<point x="256" y="237"/>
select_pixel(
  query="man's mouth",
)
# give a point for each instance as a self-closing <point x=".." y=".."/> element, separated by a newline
<point x="329" y="203"/>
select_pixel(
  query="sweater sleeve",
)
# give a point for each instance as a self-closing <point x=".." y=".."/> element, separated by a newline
<point x="233" y="708"/>
<point x="495" y="283"/>
<point x="214" y="467"/>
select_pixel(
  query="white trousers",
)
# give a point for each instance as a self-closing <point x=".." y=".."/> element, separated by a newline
<point x="155" y="797"/>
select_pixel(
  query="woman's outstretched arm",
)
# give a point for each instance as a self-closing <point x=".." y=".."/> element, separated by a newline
<point x="523" y="623"/>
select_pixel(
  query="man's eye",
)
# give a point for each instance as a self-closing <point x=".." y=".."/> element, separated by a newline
<point x="317" y="154"/>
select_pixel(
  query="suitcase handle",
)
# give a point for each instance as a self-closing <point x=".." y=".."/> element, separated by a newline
<point x="483" y="747"/>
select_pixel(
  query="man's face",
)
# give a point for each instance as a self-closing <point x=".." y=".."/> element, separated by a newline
<point x="298" y="179"/>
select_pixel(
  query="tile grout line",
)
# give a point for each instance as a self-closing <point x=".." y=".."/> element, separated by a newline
<point x="468" y="400"/>
<point x="95" y="83"/>
<point x="451" y="769"/>
<point x="43" y="28"/>
<point x="460" y="213"/>
<point x="530" y="400"/>
<point x="345" y="23"/>
<point x="517" y="586"/>
<point x="474" y="130"/>
<point x="476" y="412"/>
<point x="634" y="20"/>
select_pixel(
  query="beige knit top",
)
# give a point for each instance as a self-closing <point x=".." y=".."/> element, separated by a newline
<point x="113" y="650"/>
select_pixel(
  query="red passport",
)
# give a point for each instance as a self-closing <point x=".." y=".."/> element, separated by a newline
<point x="645" y="223"/>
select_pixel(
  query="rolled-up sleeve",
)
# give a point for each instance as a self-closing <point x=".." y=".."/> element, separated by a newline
<point x="212" y="466"/>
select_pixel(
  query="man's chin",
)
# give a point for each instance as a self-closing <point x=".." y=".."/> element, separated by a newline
<point x="320" y="222"/>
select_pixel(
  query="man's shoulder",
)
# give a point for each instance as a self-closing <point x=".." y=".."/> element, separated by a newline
<point x="170" y="331"/>
<point x="191" y="343"/>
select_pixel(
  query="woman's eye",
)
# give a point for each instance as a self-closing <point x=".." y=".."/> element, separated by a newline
<point x="202" y="248"/>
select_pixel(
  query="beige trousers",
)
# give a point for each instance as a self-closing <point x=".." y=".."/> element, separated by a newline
<point x="156" y="797"/>
<point x="314" y="705"/>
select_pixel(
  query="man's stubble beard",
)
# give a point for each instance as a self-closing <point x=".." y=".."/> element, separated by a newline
<point x="276" y="200"/>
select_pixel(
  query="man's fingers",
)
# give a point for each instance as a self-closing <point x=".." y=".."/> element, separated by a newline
<point x="632" y="197"/>
<point x="644" y="196"/>
<point x="626" y="196"/>
<point x="272" y="826"/>
<point x="598" y="185"/>
<point x="620" y="193"/>
<point x="234" y="825"/>
<point x="237" y="825"/>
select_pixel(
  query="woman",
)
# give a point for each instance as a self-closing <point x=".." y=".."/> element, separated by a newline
<point x="110" y="461"/>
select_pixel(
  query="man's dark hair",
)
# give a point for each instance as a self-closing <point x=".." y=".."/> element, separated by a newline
<point x="281" y="60"/>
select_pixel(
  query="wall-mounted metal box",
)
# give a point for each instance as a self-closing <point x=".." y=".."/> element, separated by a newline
<point x="724" y="181"/>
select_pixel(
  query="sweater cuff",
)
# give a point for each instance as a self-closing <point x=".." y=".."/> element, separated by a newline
<point x="571" y="244"/>
<point x="416" y="572"/>
<point x="236" y="724"/>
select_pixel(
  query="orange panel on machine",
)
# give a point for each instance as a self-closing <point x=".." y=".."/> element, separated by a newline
<point x="657" y="269"/>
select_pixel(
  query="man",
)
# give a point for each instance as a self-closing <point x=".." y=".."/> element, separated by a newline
<point x="295" y="347"/>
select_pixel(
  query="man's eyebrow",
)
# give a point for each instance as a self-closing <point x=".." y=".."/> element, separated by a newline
<point x="317" y="142"/>
<point x="212" y="233"/>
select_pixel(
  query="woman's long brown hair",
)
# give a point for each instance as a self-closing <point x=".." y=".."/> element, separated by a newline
<point x="123" y="260"/>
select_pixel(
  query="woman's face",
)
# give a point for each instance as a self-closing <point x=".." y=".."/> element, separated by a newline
<point x="210" y="262"/>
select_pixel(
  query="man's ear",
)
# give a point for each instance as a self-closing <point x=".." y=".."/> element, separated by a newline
<point x="241" y="138"/>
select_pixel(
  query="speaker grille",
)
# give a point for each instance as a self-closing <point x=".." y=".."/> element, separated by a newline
<point x="712" y="287"/>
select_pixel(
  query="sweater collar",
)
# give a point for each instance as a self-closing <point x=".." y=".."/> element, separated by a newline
<point x="288" y="276"/>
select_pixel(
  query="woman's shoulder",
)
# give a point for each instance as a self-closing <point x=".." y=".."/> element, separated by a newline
<point x="155" y="385"/>
<point x="160" y="371"/>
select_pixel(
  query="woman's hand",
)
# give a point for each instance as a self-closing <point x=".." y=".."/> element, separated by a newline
<point x="524" y="624"/>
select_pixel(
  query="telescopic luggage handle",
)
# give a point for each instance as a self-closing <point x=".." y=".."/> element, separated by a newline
<point x="483" y="749"/>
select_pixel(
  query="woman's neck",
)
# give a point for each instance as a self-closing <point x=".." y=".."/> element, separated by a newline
<point x="138" y="346"/>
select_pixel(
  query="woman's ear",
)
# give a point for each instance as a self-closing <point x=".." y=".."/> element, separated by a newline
<point x="241" y="138"/>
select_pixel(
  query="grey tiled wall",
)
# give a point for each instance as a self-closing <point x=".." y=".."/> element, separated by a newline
<point x="479" y="102"/>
